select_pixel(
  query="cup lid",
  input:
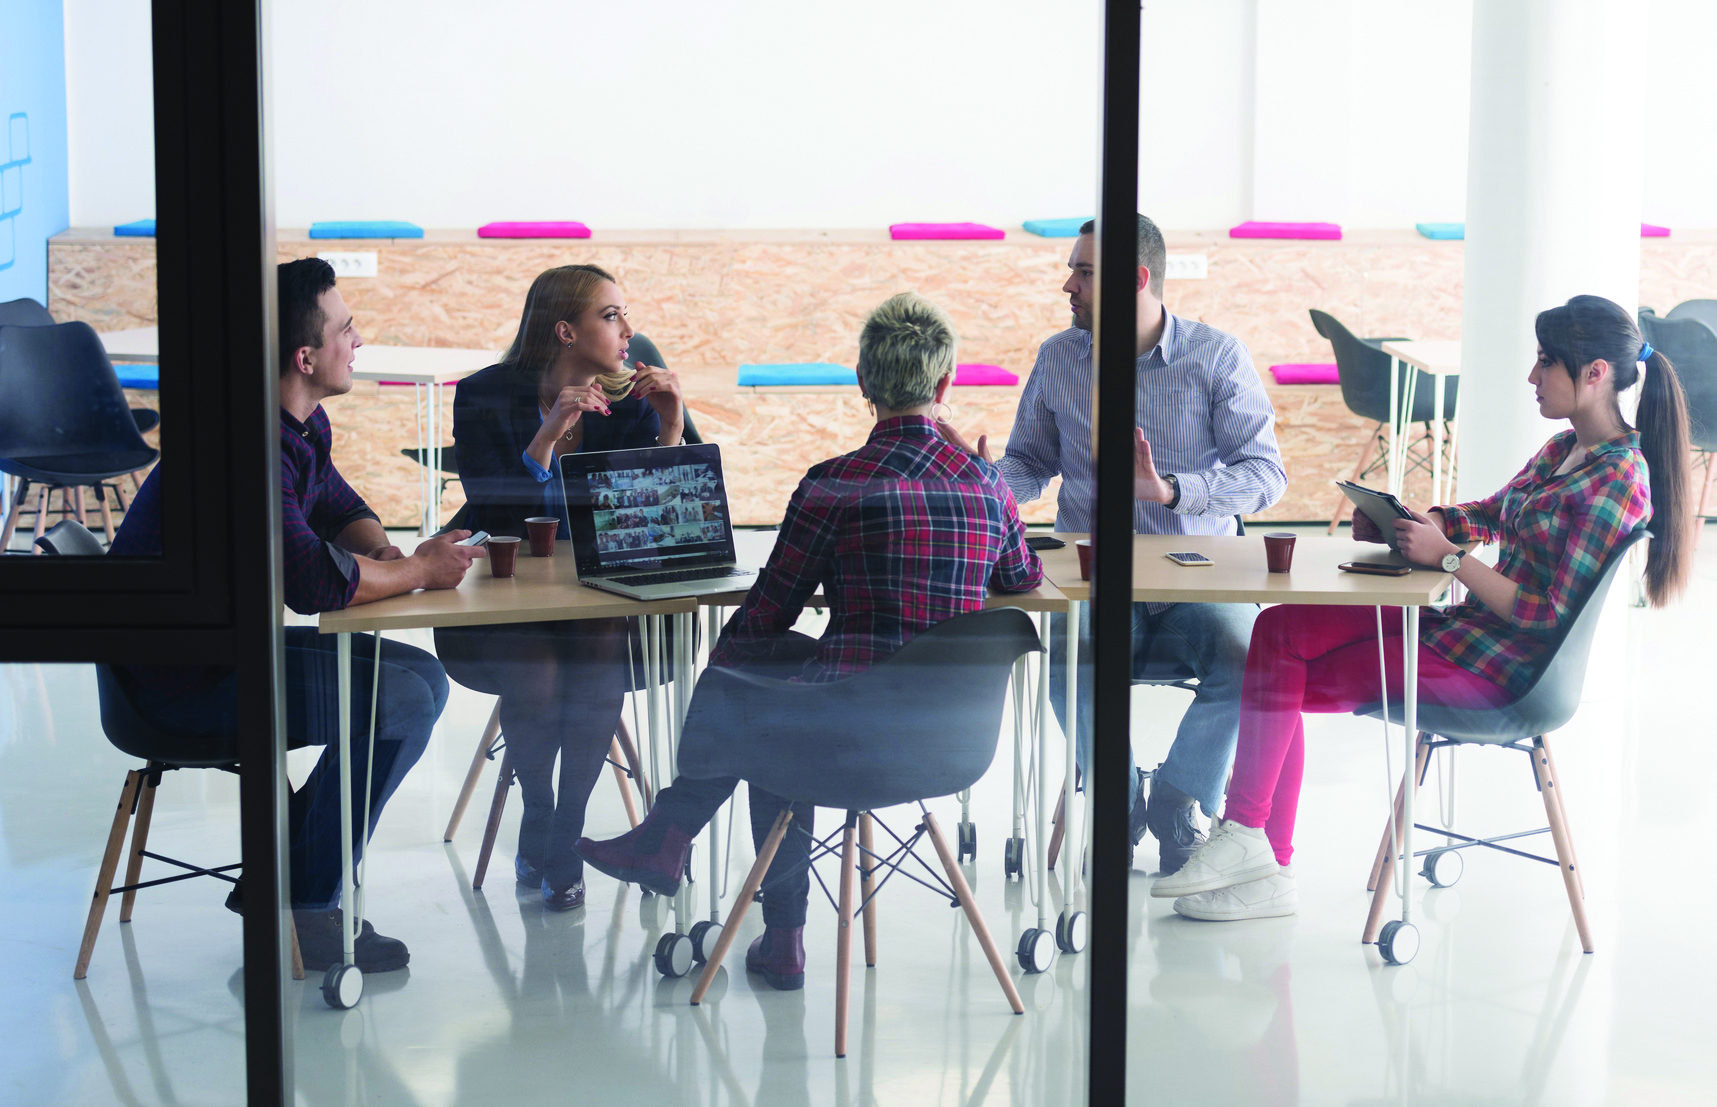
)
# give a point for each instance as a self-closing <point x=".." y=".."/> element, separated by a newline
<point x="504" y="538"/>
<point x="543" y="519"/>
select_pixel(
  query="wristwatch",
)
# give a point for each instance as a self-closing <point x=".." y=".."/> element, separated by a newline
<point x="1174" y="483"/>
<point x="1452" y="561"/>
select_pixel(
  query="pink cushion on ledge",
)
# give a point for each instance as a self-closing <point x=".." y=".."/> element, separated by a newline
<point x="1652" y="230"/>
<point x="983" y="374"/>
<point x="568" y="229"/>
<point x="1306" y="373"/>
<point x="944" y="230"/>
<point x="1285" y="230"/>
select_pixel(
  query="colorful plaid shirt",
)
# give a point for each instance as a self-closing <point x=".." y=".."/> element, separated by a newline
<point x="901" y="534"/>
<point x="1555" y="534"/>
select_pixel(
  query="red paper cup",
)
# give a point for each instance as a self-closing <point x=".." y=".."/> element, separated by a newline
<point x="542" y="530"/>
<point x="1083" y="545"/>
<point x="503" y="556"/>
<point x="1279" y="550"/>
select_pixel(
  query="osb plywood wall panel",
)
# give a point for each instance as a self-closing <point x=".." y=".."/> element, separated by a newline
<point x="712" y="301"/>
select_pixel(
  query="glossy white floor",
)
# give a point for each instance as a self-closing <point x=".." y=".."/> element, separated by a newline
<point x="504" y="1003"/>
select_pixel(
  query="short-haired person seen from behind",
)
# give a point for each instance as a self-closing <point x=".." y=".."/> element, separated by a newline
<point x="1555" y="525"/>
<point x="336" y="555"/>
<point x="1204" y="451"/>
<point x="573" y="380"/>
<point x="901" y="534"/>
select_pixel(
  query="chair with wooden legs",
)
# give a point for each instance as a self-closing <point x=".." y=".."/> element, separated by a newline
<point x="1524" y="725"/>
<point x="923" y="724"/>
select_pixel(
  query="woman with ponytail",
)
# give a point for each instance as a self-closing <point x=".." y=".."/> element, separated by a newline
<point x="575" y="379"/>
<point x="1555" y="524"/>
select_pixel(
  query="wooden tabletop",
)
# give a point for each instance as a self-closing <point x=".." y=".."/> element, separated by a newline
<point x="541" y="590"/>
<point x="419" y="364"/>
<point x="1240" y="575"/>
<point x="1440" y="359"/>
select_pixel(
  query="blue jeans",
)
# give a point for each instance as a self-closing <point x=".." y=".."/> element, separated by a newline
<point x="414" y="690"/>
<point x="1208" y="638"/>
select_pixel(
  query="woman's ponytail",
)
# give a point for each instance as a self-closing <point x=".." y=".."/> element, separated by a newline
<point x="1662" y="424"/>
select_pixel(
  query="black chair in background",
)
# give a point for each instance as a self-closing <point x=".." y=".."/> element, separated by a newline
<point x="162" y="752"/>
<point x="1364" y="371"/>
<point x="923" y="724"/>
<point x="1524" y="725"/>
<point x="1703" y="310"/>
<point x="64" y="423"/>
<point x="1690" y="343"/>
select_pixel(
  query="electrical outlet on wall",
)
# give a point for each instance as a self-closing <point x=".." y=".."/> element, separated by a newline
<point x="353" y="264"/>
<point x="1186" y="267"/>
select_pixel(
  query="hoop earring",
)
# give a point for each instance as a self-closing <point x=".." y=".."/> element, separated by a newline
<point x="946" y="418"/>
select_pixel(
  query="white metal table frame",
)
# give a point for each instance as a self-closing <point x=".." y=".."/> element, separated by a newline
<point x="1441" y="360"/>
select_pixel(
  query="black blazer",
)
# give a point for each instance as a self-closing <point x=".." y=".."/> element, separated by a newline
<point x="495" y="416"/>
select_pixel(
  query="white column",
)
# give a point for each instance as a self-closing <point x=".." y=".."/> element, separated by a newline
<point x="1553" y="202"/>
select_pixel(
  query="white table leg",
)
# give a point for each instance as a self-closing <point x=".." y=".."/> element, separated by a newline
<point x="681" y="700"/>
<point x="1071" y="839"/>
<point x="1016" y="824"/>
<point x="432" y="486"/>
<point x="1391" y="468"/>
<point x="1437" y="440"/>
<point x="420" y="413"/>
<point x="348" y="879"/>
<point x="1410" y="714"/>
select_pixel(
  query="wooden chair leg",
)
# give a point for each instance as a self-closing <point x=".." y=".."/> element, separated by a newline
<point x="1336" y="513"/>
<point x="615" y="755"/>
<point x="742" y="902"/>
<point x="867" y="886"/>
<point x="139" y="842"/>
<point x="496" y="806"/>
<point x="41" y="516"/>
<point x="963" y="892"/>
<point x="77" y="506"/>
<point x="1550" y="788"/>
<point x="1386" y="879"/>
<point x="297" y="956"/>
<point x="490" y="730"/>
<point x="623" y="735"/>
<point x="106" y="513"/>
<point x="1390" y="825"/>
<point x="1056" y="829"/>
<point x="104" y="876"/>
<point x="844" y="935"/>
<point x="20" y="488"/>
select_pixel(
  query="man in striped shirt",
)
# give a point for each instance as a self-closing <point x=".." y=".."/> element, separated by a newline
<point x="1205" y="452"/>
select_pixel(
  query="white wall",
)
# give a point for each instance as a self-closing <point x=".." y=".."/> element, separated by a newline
<point x="778" y="113"/>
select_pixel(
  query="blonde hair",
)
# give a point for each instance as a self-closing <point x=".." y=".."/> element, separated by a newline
<point x="906" y="347"/>
<point x="560" y="294"/>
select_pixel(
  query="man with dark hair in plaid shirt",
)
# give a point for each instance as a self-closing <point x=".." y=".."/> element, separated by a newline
<point x="336" y="555"/>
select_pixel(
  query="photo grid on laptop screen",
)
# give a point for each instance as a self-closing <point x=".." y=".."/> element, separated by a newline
<point x="657" y="512"/>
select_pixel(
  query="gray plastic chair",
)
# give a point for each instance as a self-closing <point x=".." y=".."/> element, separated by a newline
<point x="1689" y="340"/>
<point x="922" y="724"/>
<point x="25" y="312"/>
<point x="1525" y="724"/>
<point x="1703" y="310"/>
<point x="1364" y="371"/>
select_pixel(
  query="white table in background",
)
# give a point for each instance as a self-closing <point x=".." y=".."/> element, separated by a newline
<point x="1441" y="360"/>
<point x="139" y="345"/>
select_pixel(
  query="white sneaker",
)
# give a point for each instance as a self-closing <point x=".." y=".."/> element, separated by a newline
<point x="1272" y="897"/>
<point x="1233" y="854"/>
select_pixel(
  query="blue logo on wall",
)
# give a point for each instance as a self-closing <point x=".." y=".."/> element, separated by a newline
<point x="12" y="185"/>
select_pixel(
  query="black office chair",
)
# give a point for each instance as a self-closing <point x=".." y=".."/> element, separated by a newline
<point x="1703" y="310"/>
<point x="1364" y="371"/>
<point x="1524" y="725"/>
<point x="162" y="752"/>
<point x="1689" y="340"/>
<point x="922" y="724"/>
<point x="64" y="423"/>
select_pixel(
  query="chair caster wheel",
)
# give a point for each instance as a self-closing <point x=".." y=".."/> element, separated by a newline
<point x="1013" y="857"/>
<point x="674" y="956"/>
<point x="1071" y="930"/>
<point x="705" y="935"/>
<point x="343" y="986"/>
<point x="968" y="834"/>
<point x="1398" y="942"/>
<point x="1442" y="867"/>
<point x="1036" y="950"/>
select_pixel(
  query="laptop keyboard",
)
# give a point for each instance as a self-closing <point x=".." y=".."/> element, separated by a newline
<point x="680" y="576"/>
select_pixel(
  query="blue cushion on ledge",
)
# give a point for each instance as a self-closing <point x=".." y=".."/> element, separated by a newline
<point x="1056" y="228"/>
<point x="1442" y="230"/>
<point x="366" y="228"/>
<point x="814" y="372"/>
<point x="139" y="376"/>
<point x="143" y="228"/>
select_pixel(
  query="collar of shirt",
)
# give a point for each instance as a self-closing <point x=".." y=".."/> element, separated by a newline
<point x="903" y="425"/>
<point x="1548" y="461"/>
<point x="1163" y="353"/>
<point x="291" y="423"/>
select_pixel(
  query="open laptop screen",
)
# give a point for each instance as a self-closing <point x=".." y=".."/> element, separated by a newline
<point x="642" y="509"/>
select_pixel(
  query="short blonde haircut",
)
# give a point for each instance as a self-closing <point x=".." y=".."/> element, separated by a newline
<point x="906" y="347"/>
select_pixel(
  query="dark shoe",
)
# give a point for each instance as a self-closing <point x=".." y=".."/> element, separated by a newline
<point x="527" y="874"/>
<point x="566" y="899"/>
<point x="1170" y="818"/>
<point x="633" y="859"/>
<point x="1136" y="819"/>
<point x="235" y="898"/>
<point x="779" y="955"/>
<point x="320" y="945"/>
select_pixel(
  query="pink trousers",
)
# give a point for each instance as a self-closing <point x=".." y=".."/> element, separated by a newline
<point x="1322" y="659"/>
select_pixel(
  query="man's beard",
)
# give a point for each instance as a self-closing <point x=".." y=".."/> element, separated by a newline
<point x="1082" y="320"/>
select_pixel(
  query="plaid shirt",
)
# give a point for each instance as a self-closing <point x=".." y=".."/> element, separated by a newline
<point x="1556" y="532"/>
<point x="901" y="534"/>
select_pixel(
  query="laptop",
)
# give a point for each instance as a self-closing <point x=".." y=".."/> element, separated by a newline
<point x="652" y="524"/>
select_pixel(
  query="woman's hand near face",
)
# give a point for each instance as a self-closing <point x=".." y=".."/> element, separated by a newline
<point x="571" y="404"/>
<point x="661" y="389"/>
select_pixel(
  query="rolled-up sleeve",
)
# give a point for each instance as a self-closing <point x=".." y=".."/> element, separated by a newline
<point x="1251" y="477"/>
